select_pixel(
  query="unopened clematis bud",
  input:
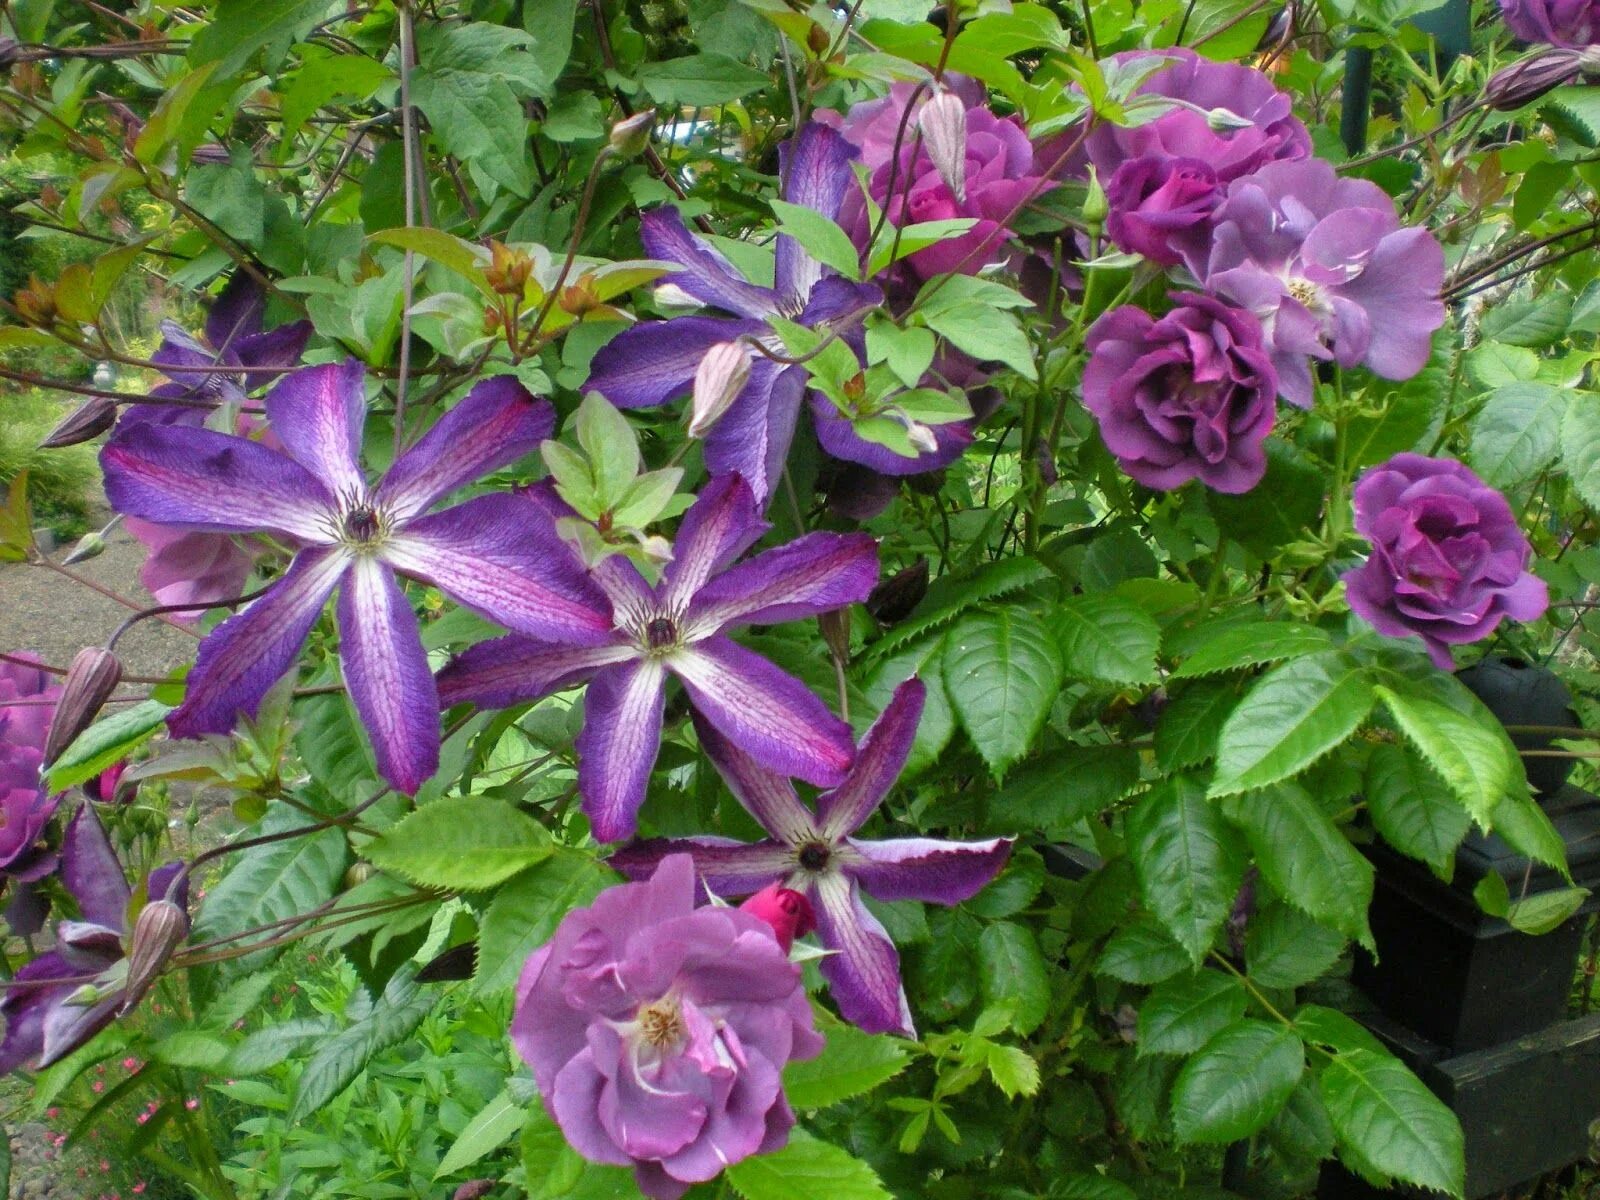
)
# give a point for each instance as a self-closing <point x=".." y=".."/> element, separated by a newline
<point x="89" y="420"/>
<point x="1225" y="120"/>
<point x="786" y="910"/>
<point x="835" y="627"/>
<point x="92" y="677"/>
<point x="90" y="545"/>
<point x="160" y="930"/>
<point x="629" y="137"/>
<point x="895" y="597"/>
<point x="922" y="439"/>
<point x="718" y="380"/>
<point x="1525" y="80"/>
<point x="943" y="121"/>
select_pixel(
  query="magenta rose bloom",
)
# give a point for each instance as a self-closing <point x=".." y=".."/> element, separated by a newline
<point x="658" y="1031"/>
<point x="1574" y="23"/>
<point x="1448" y="559"/>
<point x="27" y="702"/>
<point x="1157" y="202"/>
<point x="1190" y="395"/>
<point x="1329" y="270"/>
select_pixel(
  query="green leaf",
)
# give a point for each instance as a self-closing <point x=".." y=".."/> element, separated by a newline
<point x="1531" y="322"/>
<point x="1142" y="952"/>
<point x="1517" y="433"/>
<point x="819" y="237"/>
<point x="1236" y="1083"/>
<point x="196" y="1049"/>
<point x="1033" y="799"/>
<point x="1334" y="1030"/>
<point x="551" y="24"/>
<point x="1295" y="484"/>
<point x="326" y="76"/>
<point x="449" y="251"/>
<point x="16" y="521"/>
<point x="1013" y="973"/>
<point x="479" y="119"/>
<point x="1183" y="1014"/>
<point x="1478" y="764"/>
<point x="1291" y="717"/>
<point x="1002" y="675"/>
<point x="1287" y="949"/>
<point x="1305" y="857"/>
<point x="1527" y="829"/>
<point x="554" y="1171"/>
<point x="232" y="199"/>
<point x="1189" y="862"/>
<point x="985" y="334"/>
<point x="525" y="912"/>
<point x="851" y="1064"/>
<point x="1301" y="1131"/>
<point x="1108" y="638"/>
<point x="1580" y="446"/>
<point x="1413" y="810"/>
<point x="465" y="843"/>
<point x="701" y="80"/>
<point x="950" y="597"/>
<point x="1544" y="912"/>
<point x="1014" y="1071"/>
<point x="1090" y="1187"/>
<point x="806" y="1169"/>
<point x="1391" y="1127"/>
<point x="1404" y="413"/>
<point x="106" y="742"/>
<point x="1250" y="645"/>
<point x="494" y="1125"/>
<point x="237" y="29"/>
<point x="1191" y="724"/>
<point x="342" y="1057"/>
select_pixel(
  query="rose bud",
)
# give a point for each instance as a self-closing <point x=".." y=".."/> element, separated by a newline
<point x="718" y="380"/>
<point x="898" y="596"/>
<point x="943" y="121"/>
<point x="474" y="1189"/>
<point x="89" y="420"/>
<point x="630" y="136"/>
<point x="91" y="679"/>
<point x="787" y="911"/>
<point x="1525" y="80"/>
<point x="159" y="930"/>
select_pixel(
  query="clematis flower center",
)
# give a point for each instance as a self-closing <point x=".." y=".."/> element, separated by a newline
<point x="661" y="633"/>
<point x="661" y="1023"/>
<point x="814" y="856"/>
<point x="363" y="526"/>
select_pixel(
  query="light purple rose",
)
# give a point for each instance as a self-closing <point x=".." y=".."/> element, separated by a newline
<point x="27" y="702"/>
<point x="1329" y="270"/>
<point x="1190" y="395"/>
<point x="188" y="567"/>
<point x="1448" y="558"/>
<point x="658" y="1031"/>
<point x="1156" y="202"/>
<point x="1574" y="23"/>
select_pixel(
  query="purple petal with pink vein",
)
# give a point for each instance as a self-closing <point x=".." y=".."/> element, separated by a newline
<point x="245" y="655"/>
<point x="879" y="761"/>
<point x="199" y="479"/>
<point x="619" y="743"/>
<point x="721" y="525"/>
<point x="815" y="166"/>
<point x="497" y="423"/>
<point x="261" y="355"/>
<point x="813" y="574"/>
<point x="318" y="414"/>
<point x="926" y="869"/>
<point x="728" y="868"/>
<point x="386" y="672"/>
<point x="752" y="439"/>
<point x="499" y="556"/>
<point x="768" y="797"/>
<point x="654" y="362"/>
<point x="864" y="976"/>
<point x="766" y="713"/>
<point x="706" y="275"/>
<point x="237" y="312"/>
<point x="515" y="669"/>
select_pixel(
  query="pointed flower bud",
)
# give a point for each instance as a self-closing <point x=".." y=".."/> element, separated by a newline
<point x="92" y="677"/>
<point x="90" y="545"/>
<point x="89" y="420"/>
<point x="718" y="380"/>
<point x="835" y="627"/>
<point x="159" y="930"/>
<point x="786" y="910"/>
<point x="922" y="439"/>
<point x="1095" y="205"/>
<point x="1525" y="80"/>
<point x="895" y="598"/>
<point x="1225" y="120"/>
<point x="629" y="137"/>
<point x="508" y="269"/>
<point x="943" y="121"/>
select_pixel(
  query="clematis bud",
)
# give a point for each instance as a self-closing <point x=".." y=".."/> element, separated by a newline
<point x="89" y="420"/>
<point x="629" y="137"/>
<point x="786" y="910"/>
<point x="160" y="930"/>
<point x="896" y="597"/>
<point x="90" y="545"/>
<point x="1525" y="80"/>
<point x="835" y="627"/>
<point x="943" y="121"/>
<point x="718" y="380"/>
<point x="1225" y="120"/>
<point x="922" y="439"/>
<point x="92" y="677"/>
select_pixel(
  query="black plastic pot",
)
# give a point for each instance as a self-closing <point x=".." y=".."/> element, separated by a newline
<point x="1519" y="693"/>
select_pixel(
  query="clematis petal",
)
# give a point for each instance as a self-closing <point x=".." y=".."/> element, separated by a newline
<point x="92" y="873"/>
<point x="511" y="670"/>
<point x="69" y="1026"/>
<point x="654" y="361"/>
<point x="202" y="480"/>
<point x="236" y="313"/>
<point x="499" y="556"/>
<point x="721" y="525"/>
<point x="386" y="670"/>
<point x="706" y="274"/>
<point x="263" y="355"/>
<point x="926" y="869"/>
<point x="497" y="423"/>
<point x="879" y="761"/>
<point x="768" y="797"/>
<point x="813" y="574"/>
<point x="864" y="976"/>
<point x="753" y="437"/>
<point x="765" y="712"/>
<point x="318" y="414"/>
<point x="815" y="167"/>
<point x="26" y="1008"/>
<point x="725" y="867"/>
<point x="245" y="655"/>
<point x="619" y="743"/>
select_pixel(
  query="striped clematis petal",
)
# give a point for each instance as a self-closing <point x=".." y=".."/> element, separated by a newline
<point x="619" y="743"/>
<point x="705" y="274"/>
<point x="721" y="525"/>
<point x="753" y="437"/>
<point x="768" y="797"/>
<point x="318" y="414"/>
<point x="516" y="669"/>
<point x="879" y="761"/>
<point x="926" y="869"/>
<point x="864" y="976"/>
<point x="813" y="574"/>
<point x="654" y="362"/>
<point x="725" y="867"/>
<point x="815" y="167"/>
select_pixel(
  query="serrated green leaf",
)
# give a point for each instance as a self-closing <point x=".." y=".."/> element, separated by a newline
<point x="1013" y="1069"/>
<point x="1002" y="675"/>
<point x="1413" y="810"/>
<point x="950" y="597"/>
<point x="1517" y="433"/>
<point x="490" y="1128"/>
<point x="1142" y="952"/>
<point x="524" y="914"/>
<point x="106" y="742"/>
<point x="1385" y="1121"/>
<point x="1478" y="764"/>
<point x="1014" y="974"/>
<point x="1287" y="949"/>
<point x="1236" y="1083"/>
<point x="851" y="1064"/>
<point x="1293" y="715"/>
<point x="1580" y="446"/>
<point x="1528" y="830"/>
<point x="1252" y="645"/>
<point x="465" y="843"/>
<point x="806" y="1169"/>
<point x="1108" y="638"/>
<point x="1183" y="1014"/>
<point x="1535" y="322"/>
<point x="1301" y="1131"/>
<point x="342" y="1057"/>
<point x="1334" y="1030"/>
<point x="1034" y="800"/>
<point x="1191" y="724"/>
<point x="1189" y="862"/>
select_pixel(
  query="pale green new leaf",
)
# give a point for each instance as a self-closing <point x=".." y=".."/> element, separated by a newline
<point x="851" y="1064"/>
<point x="1477" y="763"/>
<point x="806" y="1169"/>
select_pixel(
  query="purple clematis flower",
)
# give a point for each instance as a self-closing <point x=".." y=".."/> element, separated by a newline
<point x="1574" y="23"/>
<point x="680" y="627"/>
<point x="484" y="553"/>
<point x="245" y="354"/>
<point x="654" y="362"/>
<point x="814" y="853"/>
<point x="1326" y="266"/>
<point x="48" y="1014"/>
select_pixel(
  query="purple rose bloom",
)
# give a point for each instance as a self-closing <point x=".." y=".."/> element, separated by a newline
<point x="1448" y="558"/>
<point x="184" y="567"/>
<point x="1329" y="270"/>
<point x="1190" y="395"/>
<point x="1574" y="23"/>
<point x="658" y="1031"/>
<point x="1157" y="202"/>
<point x="27" y="702"/>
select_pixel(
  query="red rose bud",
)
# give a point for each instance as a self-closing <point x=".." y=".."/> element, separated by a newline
<point x="1525" y="80"/>
<point x="89" y="420"/>
<point x="943" y="121"/>
<point x="786" y="910"/>
<point x="160" y="930"/>
<point x="718" y="380"/>
<point x="91" y="679"/>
